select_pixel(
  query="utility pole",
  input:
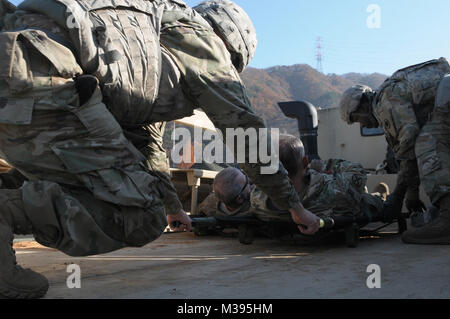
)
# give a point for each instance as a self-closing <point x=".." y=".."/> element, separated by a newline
<point x="319" y="55"/>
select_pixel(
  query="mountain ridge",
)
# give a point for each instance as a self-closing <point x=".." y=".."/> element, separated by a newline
<point x="266" y="87"/>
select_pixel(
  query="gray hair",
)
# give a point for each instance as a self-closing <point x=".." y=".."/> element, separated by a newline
<point x="292" y="153"/>
<point x="225" y="186"/>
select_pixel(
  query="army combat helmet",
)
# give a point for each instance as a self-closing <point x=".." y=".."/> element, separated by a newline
<point x="350" y="101"/>
<point x="232" y="24"/>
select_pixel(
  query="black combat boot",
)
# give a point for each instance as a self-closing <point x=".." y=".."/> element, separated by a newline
<point x="437" y="232"/>
<point x="12" y="179"/>
<point x="16" y="282"/>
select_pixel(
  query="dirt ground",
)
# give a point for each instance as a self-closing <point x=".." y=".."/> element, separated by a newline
<point x="187" y="267"/>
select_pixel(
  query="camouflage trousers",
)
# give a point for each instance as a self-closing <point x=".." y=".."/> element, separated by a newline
<point x="433" y="147"/>
<point x="87" y="190"/>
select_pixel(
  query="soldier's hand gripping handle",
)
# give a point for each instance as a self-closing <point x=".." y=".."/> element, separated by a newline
<point x="179" y="222"/>
<point x="307" y="222"/>
<point x="327" y="223"/>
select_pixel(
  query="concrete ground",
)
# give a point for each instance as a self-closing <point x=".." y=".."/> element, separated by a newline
<point x="183" y="266"/>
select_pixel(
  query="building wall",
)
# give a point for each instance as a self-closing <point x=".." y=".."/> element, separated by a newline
<point x="339" y="140"/>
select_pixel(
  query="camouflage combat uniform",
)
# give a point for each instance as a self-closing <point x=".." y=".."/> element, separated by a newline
<point x="211" y="206"/>
<point x="197" y="72"/>
<point x="340" y="190"/>
<point x="403" y="106"/>
<point x="88" y="191"/>
<point x="433" y="145"/>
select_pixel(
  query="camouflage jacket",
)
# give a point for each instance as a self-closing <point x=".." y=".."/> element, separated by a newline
<point x="210" y="81"/>
<point x="197" y="72"/>
<point x="211" y="206"/>
<point x="207" y="76"/>
<point x="402" y="106"/>
<point x="339" y="189"/>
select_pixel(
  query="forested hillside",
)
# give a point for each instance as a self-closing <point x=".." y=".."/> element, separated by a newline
<point x="266" y="87"/>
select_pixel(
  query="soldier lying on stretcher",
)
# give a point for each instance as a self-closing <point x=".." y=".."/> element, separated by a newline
<point x="336" y="186"/>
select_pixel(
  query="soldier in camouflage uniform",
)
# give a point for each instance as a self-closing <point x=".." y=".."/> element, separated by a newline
<point x="414" y="122"/>
<point x="203" y="72"/>
<point x="337" y="188"/>
<point x="212" y="206"/>
<point x="325" y="194"/>
<point x="230" y="196"/>
<point x="75" y="77"/>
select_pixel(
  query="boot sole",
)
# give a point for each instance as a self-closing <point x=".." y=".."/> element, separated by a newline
<point x="23" y="294"/>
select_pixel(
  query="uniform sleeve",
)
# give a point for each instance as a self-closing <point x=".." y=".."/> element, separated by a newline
<point x="408" y="129"/>
<point x="399" y="121"/>
<point x="158" y="163"/>
<point x="262" y="207"/>
<point x="396" y="115"/>
<point x="216" y="87"/>
<point x="408" y="177"/>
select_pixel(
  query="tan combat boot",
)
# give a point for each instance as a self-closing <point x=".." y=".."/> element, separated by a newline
<point x="16" y="282"/>
<point x="436" y="232"/>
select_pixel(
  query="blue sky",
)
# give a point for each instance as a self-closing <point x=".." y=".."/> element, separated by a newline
<point x="411" y="31"/>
